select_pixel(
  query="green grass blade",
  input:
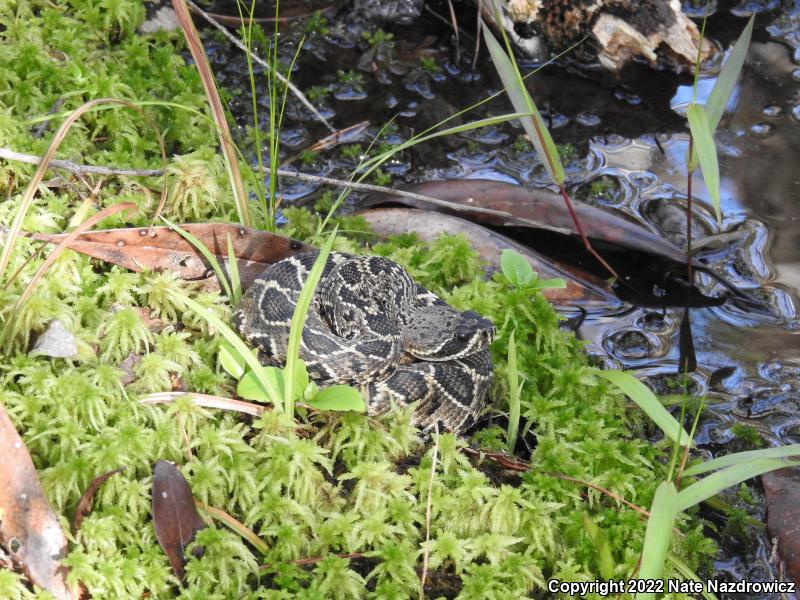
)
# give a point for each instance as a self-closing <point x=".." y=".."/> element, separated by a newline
<point x="740" y="457"/>
<point x="299" y="318"/>
<point x="513" y="394"/>
<point x="234" y="340"/>
<point x="658" y="535"/>
<point x="703" y="141"/>
<point x="726" y="80"/>
<point x="233" y="271"/>
<point x="734" y="475"/>
<point x="605" y="560"/>
<point x="684" y="569"/>
<point x="212" y="260"/>
<point x="534" y="125"/>
<point x="647" y="401"/>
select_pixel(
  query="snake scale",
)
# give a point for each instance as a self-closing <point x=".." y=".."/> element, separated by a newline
<point x="370" y="325"/>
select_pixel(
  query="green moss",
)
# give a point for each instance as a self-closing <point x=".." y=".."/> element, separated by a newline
<point x="334" y="485"/>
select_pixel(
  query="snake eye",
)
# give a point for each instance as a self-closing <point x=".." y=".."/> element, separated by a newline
<point x="462" y="337"/>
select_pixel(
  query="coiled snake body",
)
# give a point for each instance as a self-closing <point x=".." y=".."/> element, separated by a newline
<point x="372" y="326"/>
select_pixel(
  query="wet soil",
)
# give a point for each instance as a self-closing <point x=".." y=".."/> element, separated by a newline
<point x="624" y="143"/>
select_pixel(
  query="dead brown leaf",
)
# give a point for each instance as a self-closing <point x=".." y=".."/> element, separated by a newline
<point x="29" y="529"/>
<point x="85" y="503"/>
<point x="175" y="517"/>
<point x="161" y="248"/>
<point x="582" y="288"/>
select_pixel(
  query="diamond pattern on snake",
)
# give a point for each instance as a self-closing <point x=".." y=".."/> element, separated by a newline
<point x="370" y="325"/>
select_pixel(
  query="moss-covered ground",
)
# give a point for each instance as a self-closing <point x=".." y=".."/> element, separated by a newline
<point x="320" y="486"/>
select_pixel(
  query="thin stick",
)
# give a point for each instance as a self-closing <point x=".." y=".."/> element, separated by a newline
<point x="363" y="187"/>
<point x="454" y="23"/>
<point x="76" y="169"/>
<point x="477" y="36"/>
<point x="428" y="510"/>
<point x="236" y="42"/>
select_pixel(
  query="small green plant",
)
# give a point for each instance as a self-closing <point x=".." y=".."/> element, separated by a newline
<point x="315" y="24"/>
<point x="377" y="38"/>
<point x="429" y="64"/>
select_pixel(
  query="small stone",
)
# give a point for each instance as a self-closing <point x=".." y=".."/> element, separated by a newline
<point x="56" y="342"/>
<point x="165" y="19"/>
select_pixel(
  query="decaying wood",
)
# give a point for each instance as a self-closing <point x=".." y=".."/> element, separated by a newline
<point x="782" y="489"/>
<point x="620" y="30"/>
<point x="30" y="532"/>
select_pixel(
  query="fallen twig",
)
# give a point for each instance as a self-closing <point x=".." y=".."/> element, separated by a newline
<point x="77" y="169"/>
<point x="236" y="42"/>
<point x="428" y="511"/>
<point x="363" y="187"/>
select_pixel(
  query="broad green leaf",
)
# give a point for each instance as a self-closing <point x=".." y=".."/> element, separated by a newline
<point x="647" y="401"/>
<point x="533" y="124"/>
<point x="605" y="561"/>
<point x="516" y="269"/>
<point x="299" y="319"/>
<point x="250" y="387"/>
<point x="233" y="362"/>
<point x="556" y="283"/>
<point x="658" y="535"/>
<point x="741" y="457"/>
<point x="269" y="389"/>
<point x="513" y="394"/>
<point x="726" y="80"/>
<point x="703" y="141"/>
<point x="338" y="398"/>
<point x="734" y="475"/>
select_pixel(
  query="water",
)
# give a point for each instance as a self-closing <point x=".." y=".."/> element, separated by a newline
<point x="630" y="135"/>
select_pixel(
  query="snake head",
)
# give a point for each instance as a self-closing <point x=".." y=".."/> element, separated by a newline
<point x="442" y="333"/>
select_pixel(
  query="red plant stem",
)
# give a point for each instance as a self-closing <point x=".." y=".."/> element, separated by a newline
<point x="581" y="233"/>
<point x="689" y="215"/>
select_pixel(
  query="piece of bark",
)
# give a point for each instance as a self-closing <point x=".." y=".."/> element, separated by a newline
<point x="582" y="288"/>
<point x="29" y="529"/>
<point x="620" y="30"/>
<point x="175" y="517"/>
<point x="782" y="489"/>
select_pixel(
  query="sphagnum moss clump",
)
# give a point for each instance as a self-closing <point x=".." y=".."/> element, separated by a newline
<point x="341" y="484"/>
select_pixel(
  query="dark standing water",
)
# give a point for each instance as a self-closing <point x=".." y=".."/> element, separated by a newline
<point x="630" y="133"/>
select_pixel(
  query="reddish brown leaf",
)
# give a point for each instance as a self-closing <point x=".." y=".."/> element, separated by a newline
<point x="175" y="517"/>
<point x="161" y="248"/>
<point x="782" y="489"/>
<point x="85" y="503"/>
<point x="582" y="288"/>
<point x="29" y="530"/>
<point x="525" y="206"/>
<point x="517" y="206"/>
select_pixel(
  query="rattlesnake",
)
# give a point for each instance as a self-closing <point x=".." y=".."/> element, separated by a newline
<point x="372" y="326"/>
